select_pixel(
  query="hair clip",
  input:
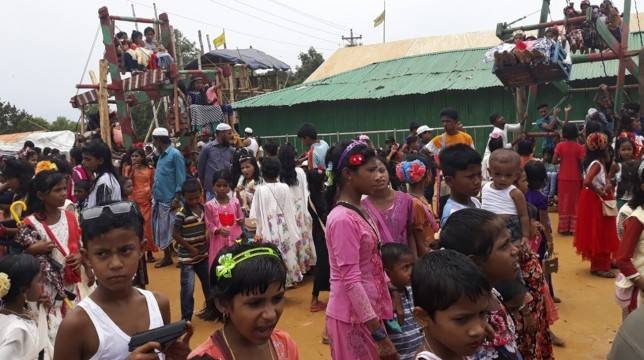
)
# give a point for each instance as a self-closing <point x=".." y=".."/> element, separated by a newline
<point x="5" y="284"/>
<point x="45" y="165"/>
<point x="227" y="262"/>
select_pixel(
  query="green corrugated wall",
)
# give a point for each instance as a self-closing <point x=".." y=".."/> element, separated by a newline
<point x="474" y="108"/>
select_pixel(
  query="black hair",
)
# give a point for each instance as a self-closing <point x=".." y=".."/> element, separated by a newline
<point x="240" y="156"/>
<point x="510" y="289"/>
<point x="21" y="270"/>
<point x="271" y="168"/>
<point x="333" y="157"/>
<point x="457" y="158"/>
<point x="442" y="278"/>
<point x="535" y="172"/>
<point x="525" y="147"/>
<point x="63" y="166"/>
<point x="413" y="126"/>
<point x="450" y="113"/>
<point x="191" y="185"/>
<point x="83" y="184"/>
<point x="250" y="276"/>
<point x="100" y="150"/>
<point x="618" y="143"/>
<point x="77" y="155"/>
<point x="495" y="144"/>
<point x="307" y="130"/>
<point x="223" y="174"/>
<point x="148" y="29"/>
<point x="636" y="180"/>
<point x="286" y="155"/>
<point x="592" y="155"/>
<point x="493" y="117"/>
<point x="270" y="149"/>
<point x="629" y="180"/>
<point x="108" y="221"/>
<point x="29" y="144"/>
<point x="471" y="232"/>
<point x="392" y="252"/>
<point x="548" y="151"/>
<point x="570" y="131"/>
<point x="165" y="140"/>
<point x="43" y="182"/>
<point x="316" y="179"/>
<point x="46" y="151"/>
<point x="144" y="159"/>
<point x="121" y="35"/>
<point x="21" y="170"/>
<point x="38" y="150"/>
<point x="626" y="123"/>
<point x="136" y="34"/>
<point x="540" y="106"/>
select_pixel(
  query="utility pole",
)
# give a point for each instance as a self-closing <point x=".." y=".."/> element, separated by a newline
<point x="352" y="39"/>
<point x="208" y="41"/>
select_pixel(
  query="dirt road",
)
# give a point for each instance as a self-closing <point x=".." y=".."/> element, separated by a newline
<point x="588" y="314"/>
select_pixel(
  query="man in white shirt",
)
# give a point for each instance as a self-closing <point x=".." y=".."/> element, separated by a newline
<point x="250" y="142"/>
<point x="501" y="128"/>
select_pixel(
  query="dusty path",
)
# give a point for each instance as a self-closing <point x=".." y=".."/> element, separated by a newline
<point x="588" y="314"/>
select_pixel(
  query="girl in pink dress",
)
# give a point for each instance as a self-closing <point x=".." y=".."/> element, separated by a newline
<point x="359" y="300"/>
<point x="224" y="215"/>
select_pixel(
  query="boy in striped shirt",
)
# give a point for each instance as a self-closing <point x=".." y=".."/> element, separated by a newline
<point x="398" y="261"/>
<point x="190" y="235"/>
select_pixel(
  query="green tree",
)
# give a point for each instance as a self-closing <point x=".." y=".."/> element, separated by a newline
<point x="14" y="120"/>
<point x="311" y="60"/>
<point x="188" y="49"/>
<point x="63" y="123"/>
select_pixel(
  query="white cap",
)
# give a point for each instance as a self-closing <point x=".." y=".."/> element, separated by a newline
<point x="160" y="132"/>
<point x="423" y="128"/>
<point x="591" y="111"/>
<point x="223" y="127"/>
<point x="248" y="130"/>
<point x="201" y="143"/>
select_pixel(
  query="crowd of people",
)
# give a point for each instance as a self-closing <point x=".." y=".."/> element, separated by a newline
<point x="429" y="250"/>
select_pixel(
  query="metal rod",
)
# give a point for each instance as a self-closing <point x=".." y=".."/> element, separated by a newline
<point x="136" y="24"/>
<point x="621" y="70"/>
<point x="544" y="25"/>
<point x="135" y="19"/>
<point x="599" y="56"/>
<point x="208" y="42"/>
<point x="611" y="87"/>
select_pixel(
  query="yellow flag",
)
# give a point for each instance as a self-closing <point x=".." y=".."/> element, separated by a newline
<point x="379" y="20"/>
<point x="220" y="40"/>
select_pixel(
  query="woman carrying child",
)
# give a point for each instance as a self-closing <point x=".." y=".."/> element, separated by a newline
<point x="247" y="296"/>
<point x="359" y="301"/>
<point x="21" y="335"/>
<point x="142" y="176"/>
<point x="53" y="236"/>
<point x="595" y="233"/>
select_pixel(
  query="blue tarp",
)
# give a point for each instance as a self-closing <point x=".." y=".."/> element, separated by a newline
<point x="255" y="59"/>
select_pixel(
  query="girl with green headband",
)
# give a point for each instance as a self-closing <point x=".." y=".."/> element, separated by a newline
<point x="247" y="286"/>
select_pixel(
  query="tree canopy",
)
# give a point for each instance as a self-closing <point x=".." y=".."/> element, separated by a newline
<point x="310" y="60"/>
<point x="14" y="120"/>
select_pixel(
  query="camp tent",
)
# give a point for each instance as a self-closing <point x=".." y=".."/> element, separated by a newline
<point x="61" y="140"/>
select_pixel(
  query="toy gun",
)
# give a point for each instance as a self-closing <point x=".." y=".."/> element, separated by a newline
<point x="164" y="335"/>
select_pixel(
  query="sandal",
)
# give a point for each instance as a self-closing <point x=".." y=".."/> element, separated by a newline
<point x="603" y="274"/>
<point x="163" y="263"/>
<point x="150" y="258"/>
<point x="556" y="340"/>
<point x="318" y="306"/>
<point x="556" y="300"/>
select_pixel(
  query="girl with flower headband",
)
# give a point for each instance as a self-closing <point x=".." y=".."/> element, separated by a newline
<point x="21" y="336"/>
<point x="595" y="233"/>
<point x="53" y="236"/>
<point x="247" y="286"/>
<point x="359" y="300"/>
<point x="418" y="172"/>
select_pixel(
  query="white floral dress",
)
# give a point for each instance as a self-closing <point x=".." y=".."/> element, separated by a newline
<point x="306" y="255"/>
<point x="274" y="211"/>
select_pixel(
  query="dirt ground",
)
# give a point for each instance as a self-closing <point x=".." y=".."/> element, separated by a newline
<point x="588" y="314"/>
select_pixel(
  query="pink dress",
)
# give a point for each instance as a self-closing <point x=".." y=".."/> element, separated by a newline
<point x="218" y="242"/>
<point x="358" y="285"/>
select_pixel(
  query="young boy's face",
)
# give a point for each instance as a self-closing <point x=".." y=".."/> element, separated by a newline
<point x="543" y="111"/>
<point x="192" y="198"/>
<point x="450" y="125"/>
<point x="466" y="182"/>
<point x="114" y="257"/>
<point x="500" y="122"/>
<point x="504" y="174"/>
<point x="128" y="187"/>
<point x="522" y="182"/>
<point x="400" y="272"/>
<point x="461" y="328"/>
<point x="306" y="141"/>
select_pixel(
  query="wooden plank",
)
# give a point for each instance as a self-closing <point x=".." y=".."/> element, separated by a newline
<point x="103" y="108"/>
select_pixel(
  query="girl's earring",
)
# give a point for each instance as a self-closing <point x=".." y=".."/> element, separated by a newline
<point x="225" y="316"/>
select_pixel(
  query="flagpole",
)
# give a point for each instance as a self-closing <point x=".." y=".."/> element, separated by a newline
<point x="224" y="32"/>
<point x="384" y="21"/>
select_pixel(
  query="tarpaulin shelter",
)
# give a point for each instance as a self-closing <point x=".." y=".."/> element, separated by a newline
<point x="61" y="140"/>
<point x="253" y="58"/>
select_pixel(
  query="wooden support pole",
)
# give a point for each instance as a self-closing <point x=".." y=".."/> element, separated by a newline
<point x="545" y="10"/>
<point x="200" y="41"/>
<point x="621" y="69"/>
<point x="103" y="108"/>
<point x="175" y="107"/>
<point x="531" y="106"/>
<point x="208" y="42"/>
<point x="136" y="23"/>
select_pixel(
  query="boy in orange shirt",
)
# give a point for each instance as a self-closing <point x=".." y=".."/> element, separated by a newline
<point x="452" y="134"/>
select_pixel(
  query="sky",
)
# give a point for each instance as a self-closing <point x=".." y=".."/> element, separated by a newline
<point x="47" y="43"/>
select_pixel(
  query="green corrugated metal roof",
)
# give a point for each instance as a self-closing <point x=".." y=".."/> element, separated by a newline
<point x="421" y="74"/>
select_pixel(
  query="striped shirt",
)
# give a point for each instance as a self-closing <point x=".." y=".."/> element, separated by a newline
<point x="408" y="342"/>
<point x="192" y="229"/>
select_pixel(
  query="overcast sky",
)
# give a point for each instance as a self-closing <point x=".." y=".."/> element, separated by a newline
<point x="46" y="43"/>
